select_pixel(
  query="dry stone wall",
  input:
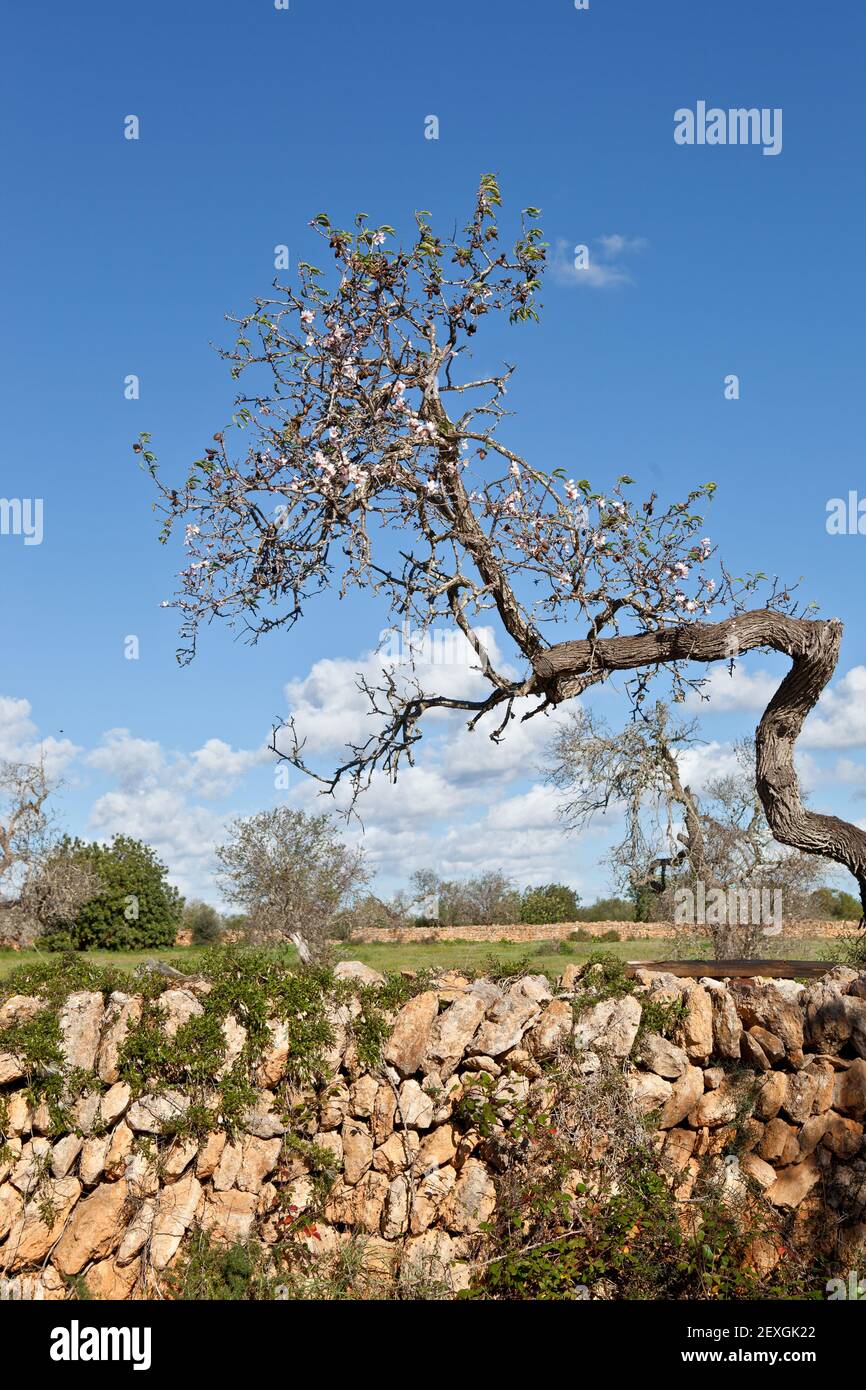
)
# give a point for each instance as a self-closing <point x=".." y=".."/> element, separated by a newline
<point x="560" y="931"/>
<point x="762" y="1084"/>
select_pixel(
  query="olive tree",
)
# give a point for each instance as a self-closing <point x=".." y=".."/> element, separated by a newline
<point x="366" y="452"/>
<point x="42" y="886"/>
<point x="292" y="875"/>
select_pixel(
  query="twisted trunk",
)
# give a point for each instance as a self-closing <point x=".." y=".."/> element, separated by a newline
<point x="813" y="646"/>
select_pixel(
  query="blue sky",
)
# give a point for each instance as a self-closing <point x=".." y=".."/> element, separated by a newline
<point x="122" y="256"/>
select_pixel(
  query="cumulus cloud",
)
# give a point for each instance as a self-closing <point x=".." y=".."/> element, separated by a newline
<point x="740" y="689"/>
<point x="839" y="720"/>
<point x="600" y="266"/>
<point x="19" y="741"/>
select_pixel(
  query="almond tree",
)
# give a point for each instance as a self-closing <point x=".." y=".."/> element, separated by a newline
<point x="365" y="453"/>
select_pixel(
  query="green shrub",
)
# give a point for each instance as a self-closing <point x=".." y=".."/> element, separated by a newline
<point x="553" y="902"/>
<point x="607" y="910"/>
<point x="136" y="909"/>
<point x="203" y="922"/>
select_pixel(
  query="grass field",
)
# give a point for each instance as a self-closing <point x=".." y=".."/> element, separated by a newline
<point x="540" y="956"/>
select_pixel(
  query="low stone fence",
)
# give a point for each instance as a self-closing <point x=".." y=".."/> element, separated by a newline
<point x="111" y="1162"/>
<point x="561" y="931"/>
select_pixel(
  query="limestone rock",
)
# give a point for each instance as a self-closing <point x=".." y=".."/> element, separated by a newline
<point x="137" y="1233"/>
<point x="156" y="1111"/>
<point x="20" y="1008"/>
<point x="800" y="1096"/>
<point x="793" y="1184"/>
<point x="384" y="1109"/>
<point x="275" y="1055"/>
<point x="177" y="1007"/>
<point x="357" y="970"/>
<point x="64" y="1154"/>
<point x="114" y="1103"/>
<point x="397" y="1153"/>
<point x="175" y="1212"/>
<point x="697" y="1024"/>
<point x="123" y="1012"/>
<point x="432" y="1193"/>
<point x="727" y="1028"/>
<point x="766" y="1006"/>
<point x="111" y="1281"/>
<point x="507" y="1020"/>
<point x="30" y="1235"/>
<point x="94" y="1153"/>
<point x="686" y="1093"/>
<point x="430" y="1263"/>
<point x="609" y="1026"/>
<point x="679" y="1147"/>
<point x="11" y="1068"/>
<point x="357" y="1151"/>
<point x="94" y="1230"/>
<point x="437" y="1149"/>
<point x="362" y="1096"/>
<point x="210" y="1154"/>
<point x="771" y="1095"/>
<point x="850" y="1090"/>
<point x="843" y="1137"/>
<point x="715" y="1108"/>
<point x="410" y="1037"/>
<point x="235" y="1036"/>
<point x="662" y="1057"/>
<point x="359" y="1206"/>
<point x="755" y="1167"/>
<point x="415" y="1110"/>
<point x="649" y="1092"/>
<point x="552" y="1029"/>
<point x="780" y="1143"/>
<point x="473" y="1199"/>
<point x="395" y="1211"/>
<point x="772" y="1047"/>
<point x="752" y="1053"/>
<point x="119" y="1150"/>
<point x="11" y="1207"/>
<point x="178" y="1157"/>
<point x="80" y="1026"/>
<point x="229" y="1216"/>
<point x="33" y="1163"/>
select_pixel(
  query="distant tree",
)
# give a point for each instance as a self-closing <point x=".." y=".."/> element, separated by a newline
<point x="135" y="907"/>
<point x="834" y="903"/>
<point x="553" y="902"/>
<point x="488" y="899"/>
<point x="42" y="887"/>
<point x="607" y="910"/>
<point x="203" y="922"/>
<point x="293" y="876"/>
<point x="673" y="838"/>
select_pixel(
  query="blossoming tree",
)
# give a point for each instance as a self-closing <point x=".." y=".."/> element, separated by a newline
<point x="365" y="452"/>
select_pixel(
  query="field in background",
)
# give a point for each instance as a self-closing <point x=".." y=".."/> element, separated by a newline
<point x="542" y="956"/>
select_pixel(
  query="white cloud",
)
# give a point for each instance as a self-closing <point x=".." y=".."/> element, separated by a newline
<point x="740" y="689"/>
<point x="19" y="741"/>
<point x="603" y="268"/>
<point x="839" y="721"/>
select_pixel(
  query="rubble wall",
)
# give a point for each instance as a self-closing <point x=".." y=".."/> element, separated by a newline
<point x="107" y="1172"/>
